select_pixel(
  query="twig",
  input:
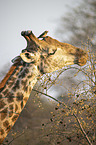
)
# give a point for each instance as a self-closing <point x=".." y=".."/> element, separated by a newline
<point x="16" y="137"/>
<point x="78" y="121"/>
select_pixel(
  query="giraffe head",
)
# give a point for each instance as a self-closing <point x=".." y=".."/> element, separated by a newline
<point x="49" y="54"/>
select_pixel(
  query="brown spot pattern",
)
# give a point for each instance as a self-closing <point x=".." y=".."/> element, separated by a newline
<point x="1" y="131"/>
<point x="4" y="113"/>
<point x="23" y="73"/>
<point x="25" y="88"/>
<point x="5" y="92"/>
<point x="26" y="70"/>
<point x="11" y="107"/>
<point x="24" y="82"/>
<point x="10" y="84"/>
<point x="0" y="96"/>
<point x="29" y="76"/>
<point x="2" y="104"/>
<point x="8" y="128"/>
<point x="22" y="105"/>
<point x="6" y="124"/>
<point x="16" y="85"/>
<point x="10" y="113"/>
<point x="1" y="140"/>
<point x="19" y="96"/>
<point x="10" y="97"/>
<point x="16" y="107"/>
<point x="25" y="99"/>
<point x="15" y="117"/>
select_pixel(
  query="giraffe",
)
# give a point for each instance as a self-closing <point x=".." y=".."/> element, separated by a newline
<point x="43" y="34"/>
<point x="39" y="57"/>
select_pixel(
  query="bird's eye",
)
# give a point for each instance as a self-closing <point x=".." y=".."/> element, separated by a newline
<point x="27" y="55"/>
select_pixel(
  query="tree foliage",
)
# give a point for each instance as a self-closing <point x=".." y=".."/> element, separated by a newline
<point x="75" y="122"/>
<point x="79" y="24"/>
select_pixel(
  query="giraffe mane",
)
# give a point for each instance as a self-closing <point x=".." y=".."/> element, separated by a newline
<point x="11" y="70"/>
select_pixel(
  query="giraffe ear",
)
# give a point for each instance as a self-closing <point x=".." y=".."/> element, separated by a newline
<point x="27" y="57"/>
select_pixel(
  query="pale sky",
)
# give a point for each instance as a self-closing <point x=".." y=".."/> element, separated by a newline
<point x="35" y="15"/>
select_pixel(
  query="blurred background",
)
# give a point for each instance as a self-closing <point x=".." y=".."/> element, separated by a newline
<point x="38" y="16"/>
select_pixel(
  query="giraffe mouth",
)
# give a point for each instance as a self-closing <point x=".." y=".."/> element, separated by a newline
<point x="80" y="60"/>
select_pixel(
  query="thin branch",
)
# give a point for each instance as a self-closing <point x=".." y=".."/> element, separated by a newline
<point x="16" y="137"/>
<point x="81" y="127"/>
<point x="63" y="70"/>
<point x="61" y="103"/>
<point x="78" y="121"/>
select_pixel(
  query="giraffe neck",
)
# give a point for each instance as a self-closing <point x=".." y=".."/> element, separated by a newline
<point x="15" y="94"/>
